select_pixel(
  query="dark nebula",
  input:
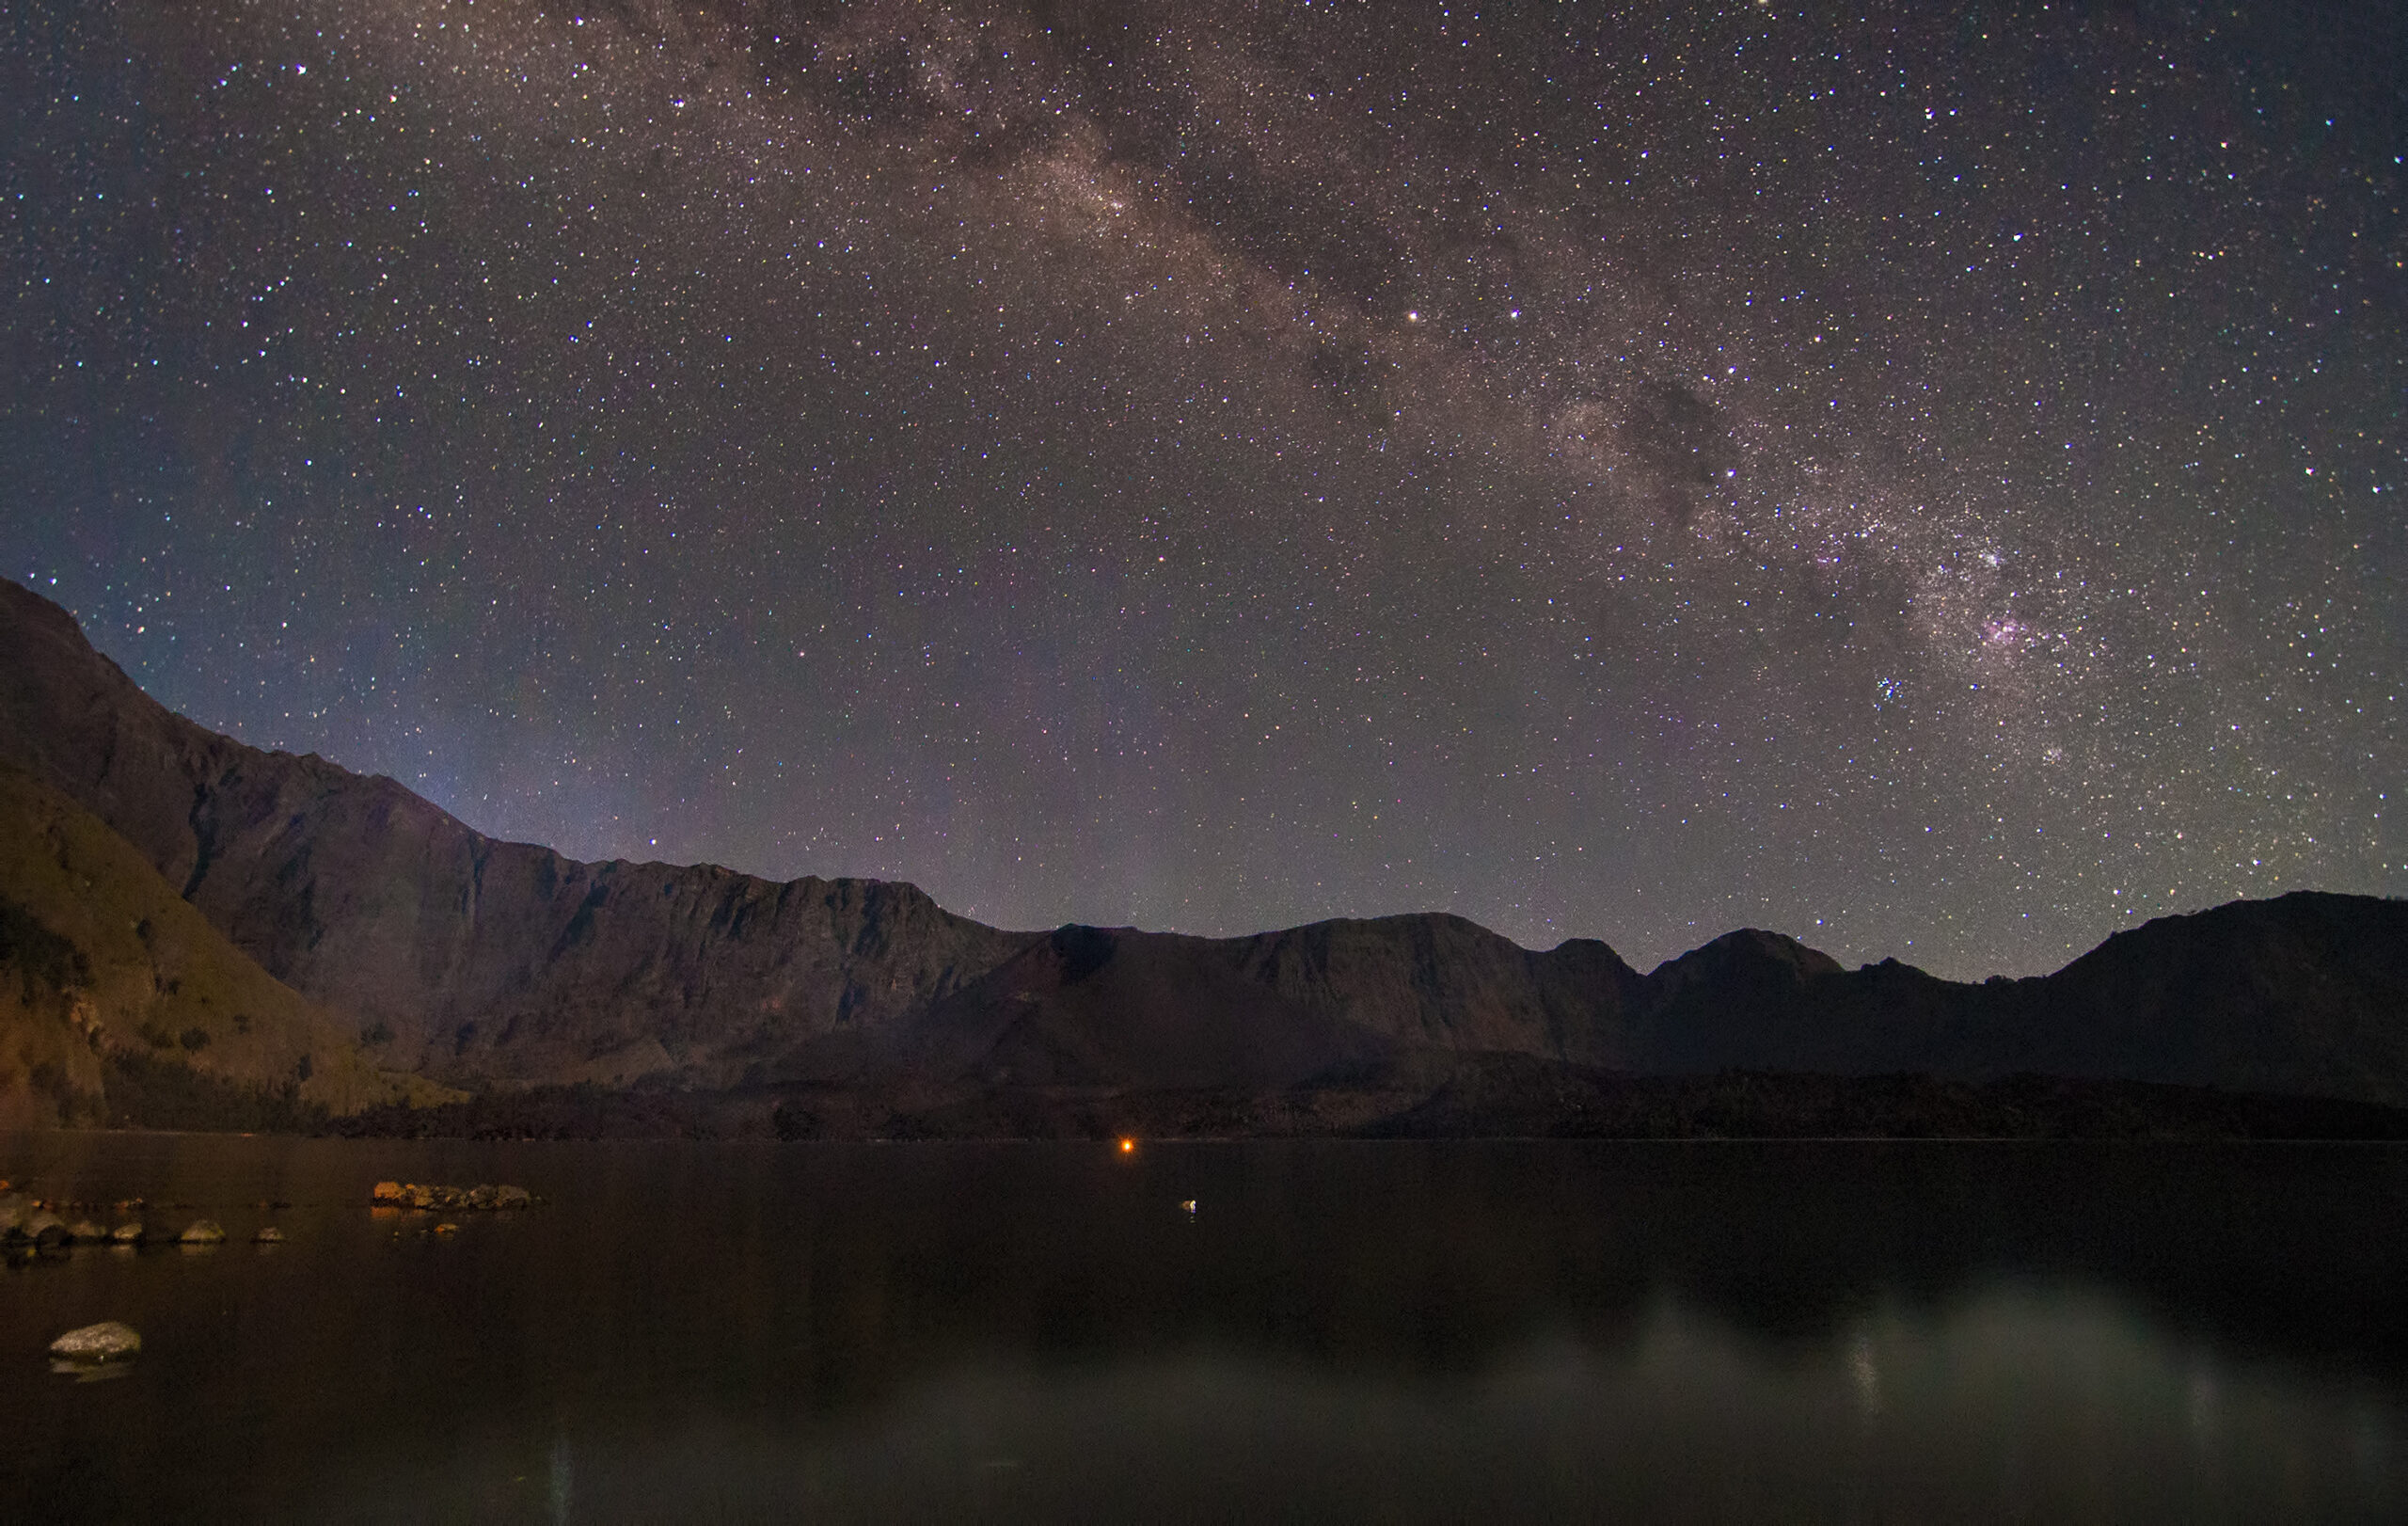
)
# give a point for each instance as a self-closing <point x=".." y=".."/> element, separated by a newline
<point x="1919" y="478"/>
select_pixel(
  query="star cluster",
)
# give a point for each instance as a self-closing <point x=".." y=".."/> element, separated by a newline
<point x="1919" y="478"/>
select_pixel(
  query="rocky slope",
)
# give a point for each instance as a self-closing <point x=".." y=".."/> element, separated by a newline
<point x="491" y="961"/>
<point x="474" y="961"/>
<point x="484" y="960"/>
<point x="109" y="980"/>
<point x="1088" y="1007"/>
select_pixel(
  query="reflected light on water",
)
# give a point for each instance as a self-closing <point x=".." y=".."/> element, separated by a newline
<point x="2011" y="1406"/>
<point x="1405" y="1332"/>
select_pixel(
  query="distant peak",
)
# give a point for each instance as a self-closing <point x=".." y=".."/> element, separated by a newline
<point x="1755" y="947"/>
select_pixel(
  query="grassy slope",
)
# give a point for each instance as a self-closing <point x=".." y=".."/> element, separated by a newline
<point x="111" y="984"/>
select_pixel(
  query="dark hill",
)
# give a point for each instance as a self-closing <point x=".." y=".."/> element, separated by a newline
<point x="2307" y="993"/>
<point x="492" y="962"/>
<point x="1097" y="1007"/>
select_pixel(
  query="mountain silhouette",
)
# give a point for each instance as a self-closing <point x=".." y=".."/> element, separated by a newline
<point x="479" y="963"/>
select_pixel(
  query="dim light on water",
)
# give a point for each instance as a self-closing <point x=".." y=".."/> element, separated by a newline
<point x="1770" y="1332"/>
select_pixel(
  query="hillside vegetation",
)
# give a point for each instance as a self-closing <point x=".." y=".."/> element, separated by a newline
<point x="119" y="1003"/>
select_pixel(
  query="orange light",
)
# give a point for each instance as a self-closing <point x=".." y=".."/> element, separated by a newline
<point x="1128" y="1147"/>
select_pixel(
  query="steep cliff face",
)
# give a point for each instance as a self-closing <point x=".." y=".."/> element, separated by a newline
<point x="1096" y="1005"/>
<point x="493" y="961"/>
<point x="484" y="960"/>
<point x="1443" y="983"/>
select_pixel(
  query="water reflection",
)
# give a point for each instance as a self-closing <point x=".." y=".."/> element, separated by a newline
<point x="88" y="1371"/>
<point x="1343" y="1331"/>
<point x="2007" y="1408"/>
<point x="561" y="1490"/>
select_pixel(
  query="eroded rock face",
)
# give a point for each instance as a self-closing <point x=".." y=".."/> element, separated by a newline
<point x="480" y="958"/>
<point x="1115" y="1007"/>
<point x="486" y="960"/>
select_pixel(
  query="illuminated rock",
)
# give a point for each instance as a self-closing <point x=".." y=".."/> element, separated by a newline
<point x="108" y="1341"/>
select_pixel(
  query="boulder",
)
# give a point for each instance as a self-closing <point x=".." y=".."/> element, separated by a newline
<point x="108" y="1341"/>
<point x="129" y="1233"/>
<point x="390" y="1193"/>
<point x="509" y="1197"/>
<point x="268" y="1236"/>
<point x="84" y="1232"/>
<point x="201" y="1232"/>
<point x="44" y="1229"/>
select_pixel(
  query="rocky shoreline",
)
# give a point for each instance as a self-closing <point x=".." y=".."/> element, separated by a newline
<point x="31" y="1225"/>
<point x="34" y="1228"/>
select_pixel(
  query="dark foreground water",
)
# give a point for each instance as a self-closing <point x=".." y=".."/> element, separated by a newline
<point x="1391" y="1331"/>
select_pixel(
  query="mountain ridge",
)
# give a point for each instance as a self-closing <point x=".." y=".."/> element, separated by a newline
<point x="501" y="962"/>
<point x="491" y="962"/>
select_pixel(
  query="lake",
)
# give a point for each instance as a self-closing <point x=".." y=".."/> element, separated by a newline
<point x="1336" y="1331"/>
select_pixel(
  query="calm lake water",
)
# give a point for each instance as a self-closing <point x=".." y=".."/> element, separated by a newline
<point x="1384" y="1332"/>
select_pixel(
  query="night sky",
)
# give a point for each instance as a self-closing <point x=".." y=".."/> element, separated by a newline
<point x="1922" y="479"/>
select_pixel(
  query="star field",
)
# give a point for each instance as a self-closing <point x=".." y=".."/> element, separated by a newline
<point x="1920" y="479"/>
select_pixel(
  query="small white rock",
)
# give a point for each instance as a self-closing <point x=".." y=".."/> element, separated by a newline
<point x="108" y="1341"/>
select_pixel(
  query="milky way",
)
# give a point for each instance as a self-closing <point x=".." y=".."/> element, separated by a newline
<point x="1921" y="480"/>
